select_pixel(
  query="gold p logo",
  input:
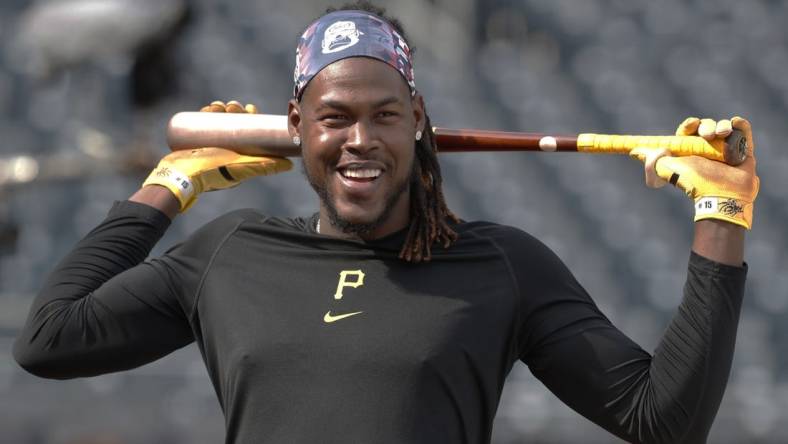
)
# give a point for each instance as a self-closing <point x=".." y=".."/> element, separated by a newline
<point x="343" y="281"/>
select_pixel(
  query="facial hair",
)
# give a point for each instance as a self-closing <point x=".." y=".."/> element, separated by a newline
<point x="346" y="226"/>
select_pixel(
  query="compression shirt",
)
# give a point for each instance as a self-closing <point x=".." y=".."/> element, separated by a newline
<point x="309" y="338"/>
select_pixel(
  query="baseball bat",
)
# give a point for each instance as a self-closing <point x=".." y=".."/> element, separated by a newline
<point x="266" y="134"/>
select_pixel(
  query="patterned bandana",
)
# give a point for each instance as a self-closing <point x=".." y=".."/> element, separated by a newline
<point x="344" y="34"/>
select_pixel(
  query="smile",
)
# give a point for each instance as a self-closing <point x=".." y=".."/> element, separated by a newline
<point x="361" y="173"/>
<point x="361" y="180"/>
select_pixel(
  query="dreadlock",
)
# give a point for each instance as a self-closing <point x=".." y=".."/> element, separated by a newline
<point x="429" y="214"/>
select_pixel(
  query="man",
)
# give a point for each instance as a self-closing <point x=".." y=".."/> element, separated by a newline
<point x="383" y="318"/>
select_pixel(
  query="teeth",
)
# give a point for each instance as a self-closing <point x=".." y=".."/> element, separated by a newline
<point x="362" y="173"/>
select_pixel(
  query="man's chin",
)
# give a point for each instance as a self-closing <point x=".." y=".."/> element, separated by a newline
<point x="356" y="214"/>
<point x="355" y="218"/>
<point x="356" y="222"/>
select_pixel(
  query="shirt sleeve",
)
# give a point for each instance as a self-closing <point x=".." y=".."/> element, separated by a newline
<point x="103" y="309"/>
<point x="569" y="345"/>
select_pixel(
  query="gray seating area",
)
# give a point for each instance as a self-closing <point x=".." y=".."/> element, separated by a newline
<point x="91" y="123"/>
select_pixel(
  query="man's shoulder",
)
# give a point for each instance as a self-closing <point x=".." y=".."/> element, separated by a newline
<point x="493" y="231"/>
<point x="251" y="218"/>
<point x="528" y="257"/>
<point x="213" y="234"/>
<point x="515" y="243"/>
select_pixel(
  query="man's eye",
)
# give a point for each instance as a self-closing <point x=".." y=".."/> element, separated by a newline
<point x="387" y="114"/>
<point x="334" y="117"/>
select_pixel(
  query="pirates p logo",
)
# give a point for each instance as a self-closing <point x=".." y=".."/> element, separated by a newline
<point x="344" y="282"/>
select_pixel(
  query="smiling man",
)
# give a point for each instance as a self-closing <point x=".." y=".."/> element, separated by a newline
<point x="383" y="318"/>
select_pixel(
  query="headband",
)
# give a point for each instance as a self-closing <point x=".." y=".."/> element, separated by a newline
<point x="344" y="34"/>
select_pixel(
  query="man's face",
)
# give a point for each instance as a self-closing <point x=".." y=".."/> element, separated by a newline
<point x="357" y="122"/>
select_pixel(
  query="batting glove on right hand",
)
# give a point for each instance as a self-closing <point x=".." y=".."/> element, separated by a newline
<point x="188" y="173"/>
<point x="720" y="191"/>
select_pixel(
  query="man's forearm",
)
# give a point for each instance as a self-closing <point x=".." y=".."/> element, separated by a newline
<point x="719" y="241"/>
<point x="159" y="198"/>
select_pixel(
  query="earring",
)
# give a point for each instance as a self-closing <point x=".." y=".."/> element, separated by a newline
<point x="296" y="140"/>
<point x="418" y="135"/>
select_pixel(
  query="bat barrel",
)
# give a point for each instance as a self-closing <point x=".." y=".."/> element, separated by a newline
<point x="250" y="134"/>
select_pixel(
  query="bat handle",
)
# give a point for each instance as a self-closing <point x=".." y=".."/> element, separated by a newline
<point x="732" y="150"/>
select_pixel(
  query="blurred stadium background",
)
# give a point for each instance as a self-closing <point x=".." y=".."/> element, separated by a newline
<point x="86" y="87"/>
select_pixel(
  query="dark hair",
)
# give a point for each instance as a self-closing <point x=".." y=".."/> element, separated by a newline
<point x="429" y="214"/>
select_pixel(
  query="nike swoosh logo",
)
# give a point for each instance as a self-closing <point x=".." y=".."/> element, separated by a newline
<point x="328" y="318"/>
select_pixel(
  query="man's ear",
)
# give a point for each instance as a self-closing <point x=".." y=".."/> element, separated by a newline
<point x="293" y="118"/>
<point x="419" y="113"/>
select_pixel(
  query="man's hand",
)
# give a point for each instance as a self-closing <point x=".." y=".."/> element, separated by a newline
<point x="191" y="172"/>
<point x="720" y="191"/>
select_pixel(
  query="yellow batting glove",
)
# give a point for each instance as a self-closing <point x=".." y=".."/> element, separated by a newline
<point x="720" y="191"/>
<point x="188" y="173"/>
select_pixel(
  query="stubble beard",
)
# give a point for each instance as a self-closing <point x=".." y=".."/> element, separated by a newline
<point x="346" y="226"/>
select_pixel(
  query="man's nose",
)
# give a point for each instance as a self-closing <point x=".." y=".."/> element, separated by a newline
<point x="361" y="137"/>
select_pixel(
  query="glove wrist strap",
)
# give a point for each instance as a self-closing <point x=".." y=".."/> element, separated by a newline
<point x="729" y="209"/>
<point x="180" y="184"/>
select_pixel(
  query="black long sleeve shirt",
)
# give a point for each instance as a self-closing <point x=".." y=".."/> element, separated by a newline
<point x="309" y="338"/>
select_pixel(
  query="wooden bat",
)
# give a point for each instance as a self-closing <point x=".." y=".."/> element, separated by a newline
<point x="266" y="134"/>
